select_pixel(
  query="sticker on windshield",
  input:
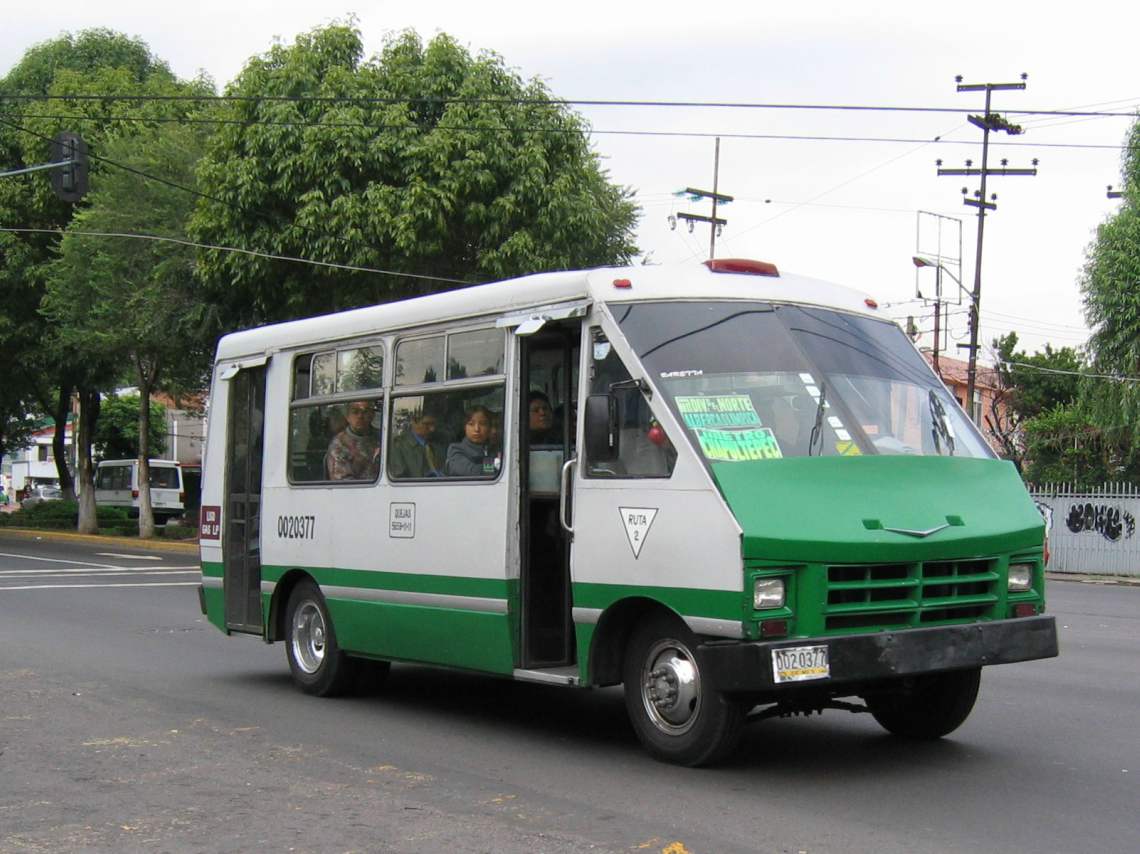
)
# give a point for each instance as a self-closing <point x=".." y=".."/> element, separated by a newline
<point x="733" y="446"/>
<point x="719" y="410"/>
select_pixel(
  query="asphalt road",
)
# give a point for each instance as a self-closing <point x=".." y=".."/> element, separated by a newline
<point x="129" y="724"/>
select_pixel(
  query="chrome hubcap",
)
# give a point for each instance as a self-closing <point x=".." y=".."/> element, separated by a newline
<point x="308" y="637"/>
<point x="671" y="687"/>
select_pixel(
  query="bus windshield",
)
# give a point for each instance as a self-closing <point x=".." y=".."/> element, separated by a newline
<point x="763" y="381"/>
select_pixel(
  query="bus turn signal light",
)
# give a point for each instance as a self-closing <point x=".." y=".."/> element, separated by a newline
<point x="774" y="629"/>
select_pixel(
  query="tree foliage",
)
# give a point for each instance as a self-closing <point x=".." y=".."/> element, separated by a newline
<point x="1066" y="445"/>
<point x="49" y="361"/>
<point x="134" y="301"/>
<point x="1110" y="286"/>
<point x="424" y="160"/>
<point x="117" y="433"/>
<point x="1029" y="385"/>
<point x="46" y="369"/>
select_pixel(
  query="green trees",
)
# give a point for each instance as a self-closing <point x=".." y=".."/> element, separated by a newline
<point x="135" y="301"/>
<point x="424" y="161"/>
<point x="435" y="166"/>
<point x="1110" y="287"/>
<point x="50" y="350"/>
<point x="117" y="435"/>
<point x="39" y="365"/>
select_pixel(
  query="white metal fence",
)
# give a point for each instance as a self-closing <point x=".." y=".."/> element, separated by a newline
<point x="1091" y="530"/>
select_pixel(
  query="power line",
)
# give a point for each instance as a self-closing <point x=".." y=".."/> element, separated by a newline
<point x="777" y="137"/>
<point x="1082" y="374"/>
<point x="182" y="242"/>
<point x="242" y="210"/>
<point x="519" y="102"/>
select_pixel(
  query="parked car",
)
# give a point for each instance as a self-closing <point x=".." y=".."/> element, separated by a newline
<point x="40" y="494"/>
<point x="117" y="485"/>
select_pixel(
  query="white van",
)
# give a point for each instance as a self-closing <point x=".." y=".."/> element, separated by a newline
<point x="117" y="485"/>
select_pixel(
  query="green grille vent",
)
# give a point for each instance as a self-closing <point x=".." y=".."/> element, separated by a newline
<point x="901" y="595"/>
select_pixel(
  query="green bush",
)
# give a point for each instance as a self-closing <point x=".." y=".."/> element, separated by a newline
<point x="64" y="515"/>
<point x="179" y="532"/>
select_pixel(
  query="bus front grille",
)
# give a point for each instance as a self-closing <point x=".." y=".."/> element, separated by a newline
<point x="901" y="595"/>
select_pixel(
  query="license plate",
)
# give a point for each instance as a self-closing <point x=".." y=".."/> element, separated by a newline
<point x="800" y="663"/>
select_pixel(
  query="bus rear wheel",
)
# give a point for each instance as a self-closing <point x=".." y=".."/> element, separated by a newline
<point x="317" y="663"/>
<point x="678" y="716"/>
<point x="928" y="708"/>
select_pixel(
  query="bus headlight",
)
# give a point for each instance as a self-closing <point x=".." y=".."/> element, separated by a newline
<point x="1020" y="577"/>
<point x="767" y="593"/>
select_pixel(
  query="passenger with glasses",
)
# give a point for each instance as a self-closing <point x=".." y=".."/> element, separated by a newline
<point x="354" y="452"/>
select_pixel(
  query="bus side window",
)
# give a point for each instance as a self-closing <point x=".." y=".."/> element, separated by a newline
<point x="644" y="449"/>
<point x="339" y="439"/>
<point x="455" y="433"/>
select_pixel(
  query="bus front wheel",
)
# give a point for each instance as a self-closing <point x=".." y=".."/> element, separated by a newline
<point x="317" y="663"/>
<point x="678" y="716"/>
<point x="929" y="707"/>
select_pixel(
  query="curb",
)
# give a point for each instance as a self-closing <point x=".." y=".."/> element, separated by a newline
<point x="1091" y="578"/>
<point x="156" y="544"/>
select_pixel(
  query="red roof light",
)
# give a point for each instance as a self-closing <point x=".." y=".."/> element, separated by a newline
<point x="623" y="283"/>
<point x="742" y="265"/>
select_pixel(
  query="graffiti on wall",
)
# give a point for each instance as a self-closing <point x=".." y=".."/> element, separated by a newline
<point x="1108" y="520"/>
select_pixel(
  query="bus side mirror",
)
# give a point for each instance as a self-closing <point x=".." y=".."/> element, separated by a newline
<point x="601" y="427"/>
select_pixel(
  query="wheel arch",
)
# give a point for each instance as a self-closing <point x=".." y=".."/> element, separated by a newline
<point x="275" y="628"/>
<point x="611" y="634"/>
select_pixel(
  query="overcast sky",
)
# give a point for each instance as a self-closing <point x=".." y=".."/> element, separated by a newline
<point x="846" y="211"/>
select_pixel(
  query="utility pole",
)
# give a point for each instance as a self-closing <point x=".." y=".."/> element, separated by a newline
<point x="715" y="224"/>
<point x="989" y="121"/>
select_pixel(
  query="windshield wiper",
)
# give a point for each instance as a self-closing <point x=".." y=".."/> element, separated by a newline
<point x="817" y="428"/>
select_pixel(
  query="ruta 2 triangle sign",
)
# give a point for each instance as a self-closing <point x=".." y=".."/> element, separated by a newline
<point x="637" y="521"/>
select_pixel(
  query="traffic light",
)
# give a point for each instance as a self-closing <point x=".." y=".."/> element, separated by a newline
<point x="70" y="181"/>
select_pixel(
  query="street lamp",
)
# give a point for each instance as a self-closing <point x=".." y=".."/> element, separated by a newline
<point x="921" y="261"/>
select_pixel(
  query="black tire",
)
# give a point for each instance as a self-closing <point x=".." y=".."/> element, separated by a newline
<point x="317" y="663"/>
<point x="929" y="707"/>
<point x="678" y="716"/>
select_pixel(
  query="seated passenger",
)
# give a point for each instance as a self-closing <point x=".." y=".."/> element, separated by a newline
<point x="354" y="452"/>
<point x="414" y="453"/>
<point x="472" y="457"/>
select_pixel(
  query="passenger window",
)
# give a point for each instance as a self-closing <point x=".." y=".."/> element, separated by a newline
<point x="338" y="439"/>
<point x="644" y="449"/>
<point x="474" y="354"/>
<point x="359" y="369"/>
<point x="455" y="433"/>
<point x="419" y="361"/>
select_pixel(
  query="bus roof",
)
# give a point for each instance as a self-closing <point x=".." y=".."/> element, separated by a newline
<point x="691" y="280"/>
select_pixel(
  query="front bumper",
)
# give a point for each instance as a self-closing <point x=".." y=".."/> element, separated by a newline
<point x="738" y="667"/>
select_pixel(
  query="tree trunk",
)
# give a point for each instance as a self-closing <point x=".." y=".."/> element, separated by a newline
<point x="85" y="429"/>
<point x="59" y="441"/>
<point x="146" y="510"/>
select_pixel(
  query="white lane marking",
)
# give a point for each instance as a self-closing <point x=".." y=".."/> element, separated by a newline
<point x="72" y="586"/>
<point x="59" y="560"/>
<point x="127" y="557"/>
<point x="84" y="573"/>
<point x="94" y="570"/>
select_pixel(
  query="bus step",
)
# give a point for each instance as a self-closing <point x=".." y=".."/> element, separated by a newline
<point x="567" y="675"/>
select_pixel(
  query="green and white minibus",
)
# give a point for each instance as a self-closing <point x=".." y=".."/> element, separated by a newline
<point x="736" y="492"/>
